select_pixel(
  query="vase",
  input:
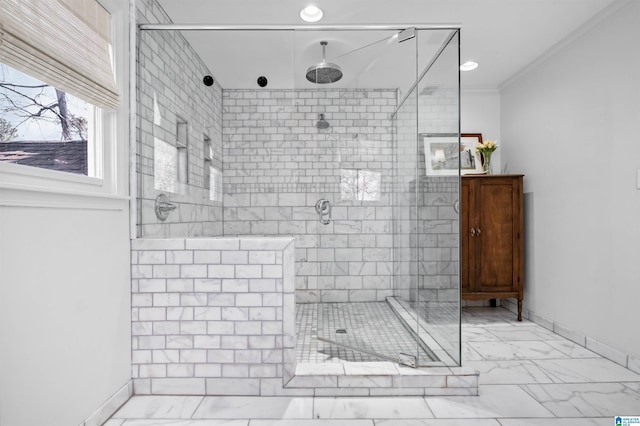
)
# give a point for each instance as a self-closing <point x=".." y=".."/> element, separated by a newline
<point x="486" y="162"/>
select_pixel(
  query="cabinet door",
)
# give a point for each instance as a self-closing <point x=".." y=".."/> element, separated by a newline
<point x="465" y="249"/>
<point x="497" y="248"/>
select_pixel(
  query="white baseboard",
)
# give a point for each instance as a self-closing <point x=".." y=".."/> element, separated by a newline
<point x="593" y="345"/>
<point x="112" y="405"/>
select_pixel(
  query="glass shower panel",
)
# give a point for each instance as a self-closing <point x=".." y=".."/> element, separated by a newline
<point x="437" y="195"/>
<point x="353" y="198"/>
<point x="189" y="122"/>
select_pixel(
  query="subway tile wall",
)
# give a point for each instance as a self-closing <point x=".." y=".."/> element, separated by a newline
<point x="278" y="164"/>
<point x="170" y="88"/>
<point x="212" y="316"/>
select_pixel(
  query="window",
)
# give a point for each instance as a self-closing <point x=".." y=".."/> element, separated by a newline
<point x="42" y="126"/>
<point x="82" y="63"/>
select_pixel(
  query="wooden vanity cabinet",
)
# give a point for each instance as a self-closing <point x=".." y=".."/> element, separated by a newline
<point x="492" y="236"/>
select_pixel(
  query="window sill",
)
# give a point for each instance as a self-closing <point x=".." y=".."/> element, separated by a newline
<point x="32" y="187"/>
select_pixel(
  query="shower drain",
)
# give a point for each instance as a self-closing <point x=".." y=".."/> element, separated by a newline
<point x="341" y="331"/>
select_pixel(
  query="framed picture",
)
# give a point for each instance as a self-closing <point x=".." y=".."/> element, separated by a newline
<point x="442" y="154"/>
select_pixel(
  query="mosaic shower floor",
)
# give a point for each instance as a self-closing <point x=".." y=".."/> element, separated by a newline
<point x="372" y="326"/>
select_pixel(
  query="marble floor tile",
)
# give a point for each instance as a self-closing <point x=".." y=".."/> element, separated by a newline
<point x="470" y="354"/>
<point x="571" y="349"/>
<point x="159" y="407"/>
<point x="509" y="372"/>
<point x="586" y="399"/>
<point x="633" y="386"/>
<point x="586" y="370"/>
<point x="477" y="334"/>
<point x="597" y="421"/>
<point x="505" y="351"/>
<point x="258" y="407"/>
<point x="523" y="333"/>
<point x="371" y="408"/>
<point x="190" y="422"/>
<point x="438" y="422"/>
<point x="494" y="401"/>
<point x="528" y="377"/>
<point x="312" y="422"/>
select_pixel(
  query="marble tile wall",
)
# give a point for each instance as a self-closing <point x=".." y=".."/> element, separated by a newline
<point x="170" y="88"/>
<point x="212" y="316"/>
<point x="278" y="165"/>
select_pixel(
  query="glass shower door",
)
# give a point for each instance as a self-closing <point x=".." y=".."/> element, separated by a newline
<point x="351" y="147"/>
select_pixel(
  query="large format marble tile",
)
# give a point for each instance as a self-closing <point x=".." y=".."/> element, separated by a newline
<point x="602" y="421"/>
<point x="159" y="407"/>
<point x="313" y="422"/>
<point x="477" y="334"/>
<point x="522" y="333"/>
<point x="571" y="349"/>
<point x="493" y="402"/>
<point x="263" y="407"/>
<point x="509" y="372"/>
<point x="506" y="351"/>
<point x="586" y="399"/>
<point x="140" y="422"/>
<point x="633" y="386"/>
<point x="371" y="408"/>
<point x="469" y="354"/>
<point x="438" y="422"/>
<point x="586" y="370"/>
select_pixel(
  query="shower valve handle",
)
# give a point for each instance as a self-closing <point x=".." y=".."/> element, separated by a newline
<point x="323" y="208"/>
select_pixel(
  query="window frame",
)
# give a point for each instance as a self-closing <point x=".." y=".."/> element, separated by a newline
<point x="111" y="161"/>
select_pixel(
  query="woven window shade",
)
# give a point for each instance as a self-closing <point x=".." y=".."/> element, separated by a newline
<point x="64" y="43"/>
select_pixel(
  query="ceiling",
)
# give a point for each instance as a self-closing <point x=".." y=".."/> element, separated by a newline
<point x="503" y="36"/>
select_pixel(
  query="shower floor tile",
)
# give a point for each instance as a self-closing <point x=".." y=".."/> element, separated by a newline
<point x="371" y="326"/>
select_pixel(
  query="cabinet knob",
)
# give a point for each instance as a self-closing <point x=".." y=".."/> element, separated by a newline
<point x="478" y="232"/>
<point x="473" y="232"/>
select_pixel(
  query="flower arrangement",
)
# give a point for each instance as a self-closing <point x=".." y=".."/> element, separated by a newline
<point x="485" y="149"/>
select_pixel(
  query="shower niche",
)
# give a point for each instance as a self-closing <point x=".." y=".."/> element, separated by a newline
<point x="329" y="153"/>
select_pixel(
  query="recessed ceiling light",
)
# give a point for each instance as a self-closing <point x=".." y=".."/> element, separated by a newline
<point x="311" y="14"/>
<point x="469" y="66"/>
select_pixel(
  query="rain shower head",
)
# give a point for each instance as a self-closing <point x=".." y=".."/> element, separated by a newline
<point x="322" y="123"/>
<point x="324" y="72"/>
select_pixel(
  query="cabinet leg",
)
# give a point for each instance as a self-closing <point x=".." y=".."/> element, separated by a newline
<point x="519" y="309"/>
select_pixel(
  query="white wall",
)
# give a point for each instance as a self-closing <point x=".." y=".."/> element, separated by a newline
<point x="64" y="310"/>
<point x="65" y="329"/>
<point x="571" y="126"/>
<point x="480" y="113"/>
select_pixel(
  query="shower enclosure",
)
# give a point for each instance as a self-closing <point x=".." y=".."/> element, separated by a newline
<point x="254" y="136"/>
